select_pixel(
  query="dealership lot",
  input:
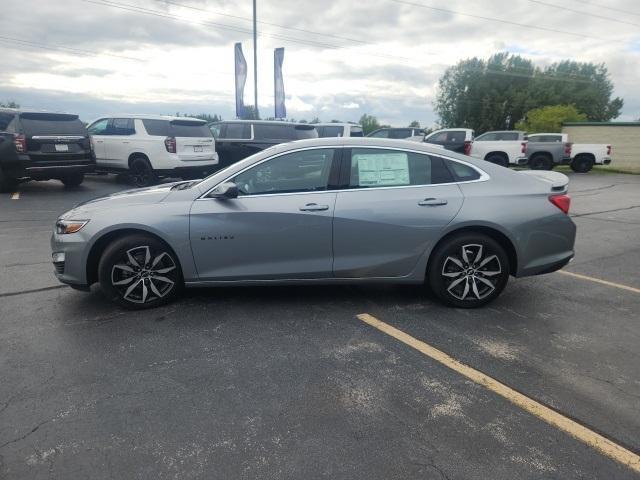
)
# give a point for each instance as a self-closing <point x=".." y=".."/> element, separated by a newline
<point x="290" y="383"/>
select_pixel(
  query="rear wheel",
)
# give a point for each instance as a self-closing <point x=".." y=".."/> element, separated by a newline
<point x="73" y="179"/>
<point x="7" y="184"/>
<point x="541" y="162"/>
<point x="582" y="164"/>
<point x="498" y="159"/>
<point x="468" y="270"/>
<point x="139" y="271"/>
<point x="141" y="172"/>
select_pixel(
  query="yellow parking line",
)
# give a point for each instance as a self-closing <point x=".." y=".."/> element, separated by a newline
<point x="15" y="196"/>
<point x="603" y="282"/>
<point x="591" y="438"/>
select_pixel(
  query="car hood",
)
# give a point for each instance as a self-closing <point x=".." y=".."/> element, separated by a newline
<point x="137" y="196"/>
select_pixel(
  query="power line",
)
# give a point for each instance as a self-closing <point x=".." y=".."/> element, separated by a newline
<point x="156" y="13"/>
<point x="582" y="12"/>
<point x="49" y="46"/>
<point x="508" y="22"/>
<point x="608" y="7"/>
<point x="191" y="7"/>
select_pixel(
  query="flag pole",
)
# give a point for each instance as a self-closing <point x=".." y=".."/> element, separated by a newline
<point x="255" y="60"/>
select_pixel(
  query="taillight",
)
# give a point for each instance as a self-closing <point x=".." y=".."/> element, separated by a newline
<point x="567" y="149"/>
<point x="170" y="144"/>
<point x="20" y="141"/>
<point x="563" y="202"/>
<point x="467" y="147"/>
<point x="608" y="149"/>
<point x="524" y="147"/>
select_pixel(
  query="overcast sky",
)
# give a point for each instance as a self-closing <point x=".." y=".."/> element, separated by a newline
<point x="342" y="58"/>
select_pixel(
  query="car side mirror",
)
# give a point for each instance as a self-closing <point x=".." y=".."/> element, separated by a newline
<point x="225" y="190"/>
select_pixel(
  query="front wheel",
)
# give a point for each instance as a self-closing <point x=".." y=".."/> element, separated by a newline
<point x="468" y="270"/>
<point x="139" y="271"/>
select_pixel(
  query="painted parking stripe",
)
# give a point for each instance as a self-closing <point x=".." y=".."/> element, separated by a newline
<point x="573" y="428"/>
<point x="15" y="196"/>
<point x="599" y="280"/>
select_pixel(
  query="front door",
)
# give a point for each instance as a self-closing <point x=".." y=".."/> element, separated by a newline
<point x="396" y="206"/>
<point x="280" y="226"/>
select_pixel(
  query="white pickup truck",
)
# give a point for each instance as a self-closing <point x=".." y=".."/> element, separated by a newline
<point x="502" y="148"/>
<point x="583" y="155"/>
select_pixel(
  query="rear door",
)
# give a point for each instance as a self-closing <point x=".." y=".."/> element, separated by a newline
<point x="395" y="206"/>
<point x="98" y="131"/>
<point x="55" y="137"/>
<point x="231" y="143"/>
<point x="8" y="154"/>
<point x="119" y="142"/>
<point x="194" y="140"/>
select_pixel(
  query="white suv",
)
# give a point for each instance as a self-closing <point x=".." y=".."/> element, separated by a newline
<point x="153" y="146"/>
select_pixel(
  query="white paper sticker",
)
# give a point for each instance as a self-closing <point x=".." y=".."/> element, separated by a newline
<point x="378" y="170"/>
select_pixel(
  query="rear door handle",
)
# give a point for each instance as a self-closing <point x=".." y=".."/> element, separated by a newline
<point x="314" y="207"/>
<point x="432" y="202"/>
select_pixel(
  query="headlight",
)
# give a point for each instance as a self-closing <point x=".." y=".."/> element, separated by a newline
<point x="64" y="227"/>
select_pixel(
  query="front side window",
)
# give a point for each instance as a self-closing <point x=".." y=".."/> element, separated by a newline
<point x="5" y="120"/>
<point x="437" y="137"/>
<point x="304" y="171"/>
<point x="216" y="129"/>
<point x="99" y="127"/>
<point x="507" y="136"/>
<point x="380" y="134"/>
<point x="372" y="168"/>
<point x="487" y="137"/>
<point x="456" y="136"/>
<point x="357" y="132"/>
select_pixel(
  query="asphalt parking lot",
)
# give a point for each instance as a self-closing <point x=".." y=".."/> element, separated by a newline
<point x="291" y="383"/>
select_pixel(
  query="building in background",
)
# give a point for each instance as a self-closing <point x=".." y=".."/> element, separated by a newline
<point x="624" y="138"/>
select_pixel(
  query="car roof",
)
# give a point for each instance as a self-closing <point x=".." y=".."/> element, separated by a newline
<point x="452" y="129"/>
<point x="336" y="124"/>
<point x="264" y="122"/>
<point x="33" y="110"/>
<point x="506" y="131"/>
<point x="144" y="116"/>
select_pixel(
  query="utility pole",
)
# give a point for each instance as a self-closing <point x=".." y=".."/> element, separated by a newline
<point x="255" y="60"/>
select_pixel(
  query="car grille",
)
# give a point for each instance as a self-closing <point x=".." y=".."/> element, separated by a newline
<point x="59" y="266"/>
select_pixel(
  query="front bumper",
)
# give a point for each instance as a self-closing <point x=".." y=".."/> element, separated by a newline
<point x="69" y="259"/>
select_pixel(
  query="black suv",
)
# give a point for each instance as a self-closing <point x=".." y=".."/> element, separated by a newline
<point x="396" y="132"/>
<point x="42" y="146"/>
<point x="238" y="139"/>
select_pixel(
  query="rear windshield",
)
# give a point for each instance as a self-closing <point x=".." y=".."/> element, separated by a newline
<point x="305" y="131"/>
<point x="52" y="124"/>
<point x="176" y="128"/>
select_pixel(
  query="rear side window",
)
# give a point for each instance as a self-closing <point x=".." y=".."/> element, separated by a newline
<point x="156" y="128"/>
<point x="380" y="134"/>
<point x="456" y="136"/>
<point x="357" y="132"/>
<point x="546" y="138"/>
<point x="5" y="120"/>
<point x="122" y="126"/>
<point x="52" y="124"/>
<point x="186" y="128"/>
<point x="401" y="133"/>
<point x="305" y="131"/>
<point x="437" y="137"/>
<point x="332" y="131"/>
<point x="237" y="131"/>
<point x="462" y="172"/>
<point x="99" y="127"/>
<point x="507" y="136"/>
<point x="264" y="131"/>
<point x="374" y="168"/>
<point x="487" y="137"/>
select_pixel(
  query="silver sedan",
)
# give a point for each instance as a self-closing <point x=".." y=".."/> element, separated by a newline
<point x="329" y="210"/>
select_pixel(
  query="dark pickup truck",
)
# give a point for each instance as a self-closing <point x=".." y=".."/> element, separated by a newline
<point x="43" y="146"/>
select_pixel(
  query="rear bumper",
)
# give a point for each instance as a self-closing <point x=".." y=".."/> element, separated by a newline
<point x="606" y="161"/>
<point x="26" y="166"/>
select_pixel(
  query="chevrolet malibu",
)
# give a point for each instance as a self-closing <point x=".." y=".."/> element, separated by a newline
<point x="324" y="211"/>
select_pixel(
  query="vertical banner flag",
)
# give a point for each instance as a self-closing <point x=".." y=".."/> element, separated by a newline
<point x="241" y="79"/>
<point x="278" y="83"/>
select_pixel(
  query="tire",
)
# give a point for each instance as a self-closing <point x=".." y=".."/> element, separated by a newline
<point x="142" y="173"/>
<point x="153" y="267"/>
<point x="541" y="161"/>
<point x="498" y="159"/>
<point x="7" y="184"/>
<point x="582" y="164"/>
<point x="73" y="180"/>
<point x="473" y="282"/>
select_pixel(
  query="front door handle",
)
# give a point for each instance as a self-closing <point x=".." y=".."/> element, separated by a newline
<point x="314" y="207"/>
<point x="432" y="202"/>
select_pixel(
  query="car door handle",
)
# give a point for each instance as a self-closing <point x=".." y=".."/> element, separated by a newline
<point x="99" y="141"/>
<point x="314" y="207"/>
<point x="432" y="202"/>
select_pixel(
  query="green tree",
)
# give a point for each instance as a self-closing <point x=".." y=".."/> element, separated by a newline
<point x="414" y="124"/>
<point x="369" y="123"/>
<point x="549" y="119"/>
<point x="315" y="120"/>
<point x="9" y="104"/>
<point x="496" y="93"/>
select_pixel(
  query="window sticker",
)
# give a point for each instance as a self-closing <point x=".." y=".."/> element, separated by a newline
<point x="379" y="170"/>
